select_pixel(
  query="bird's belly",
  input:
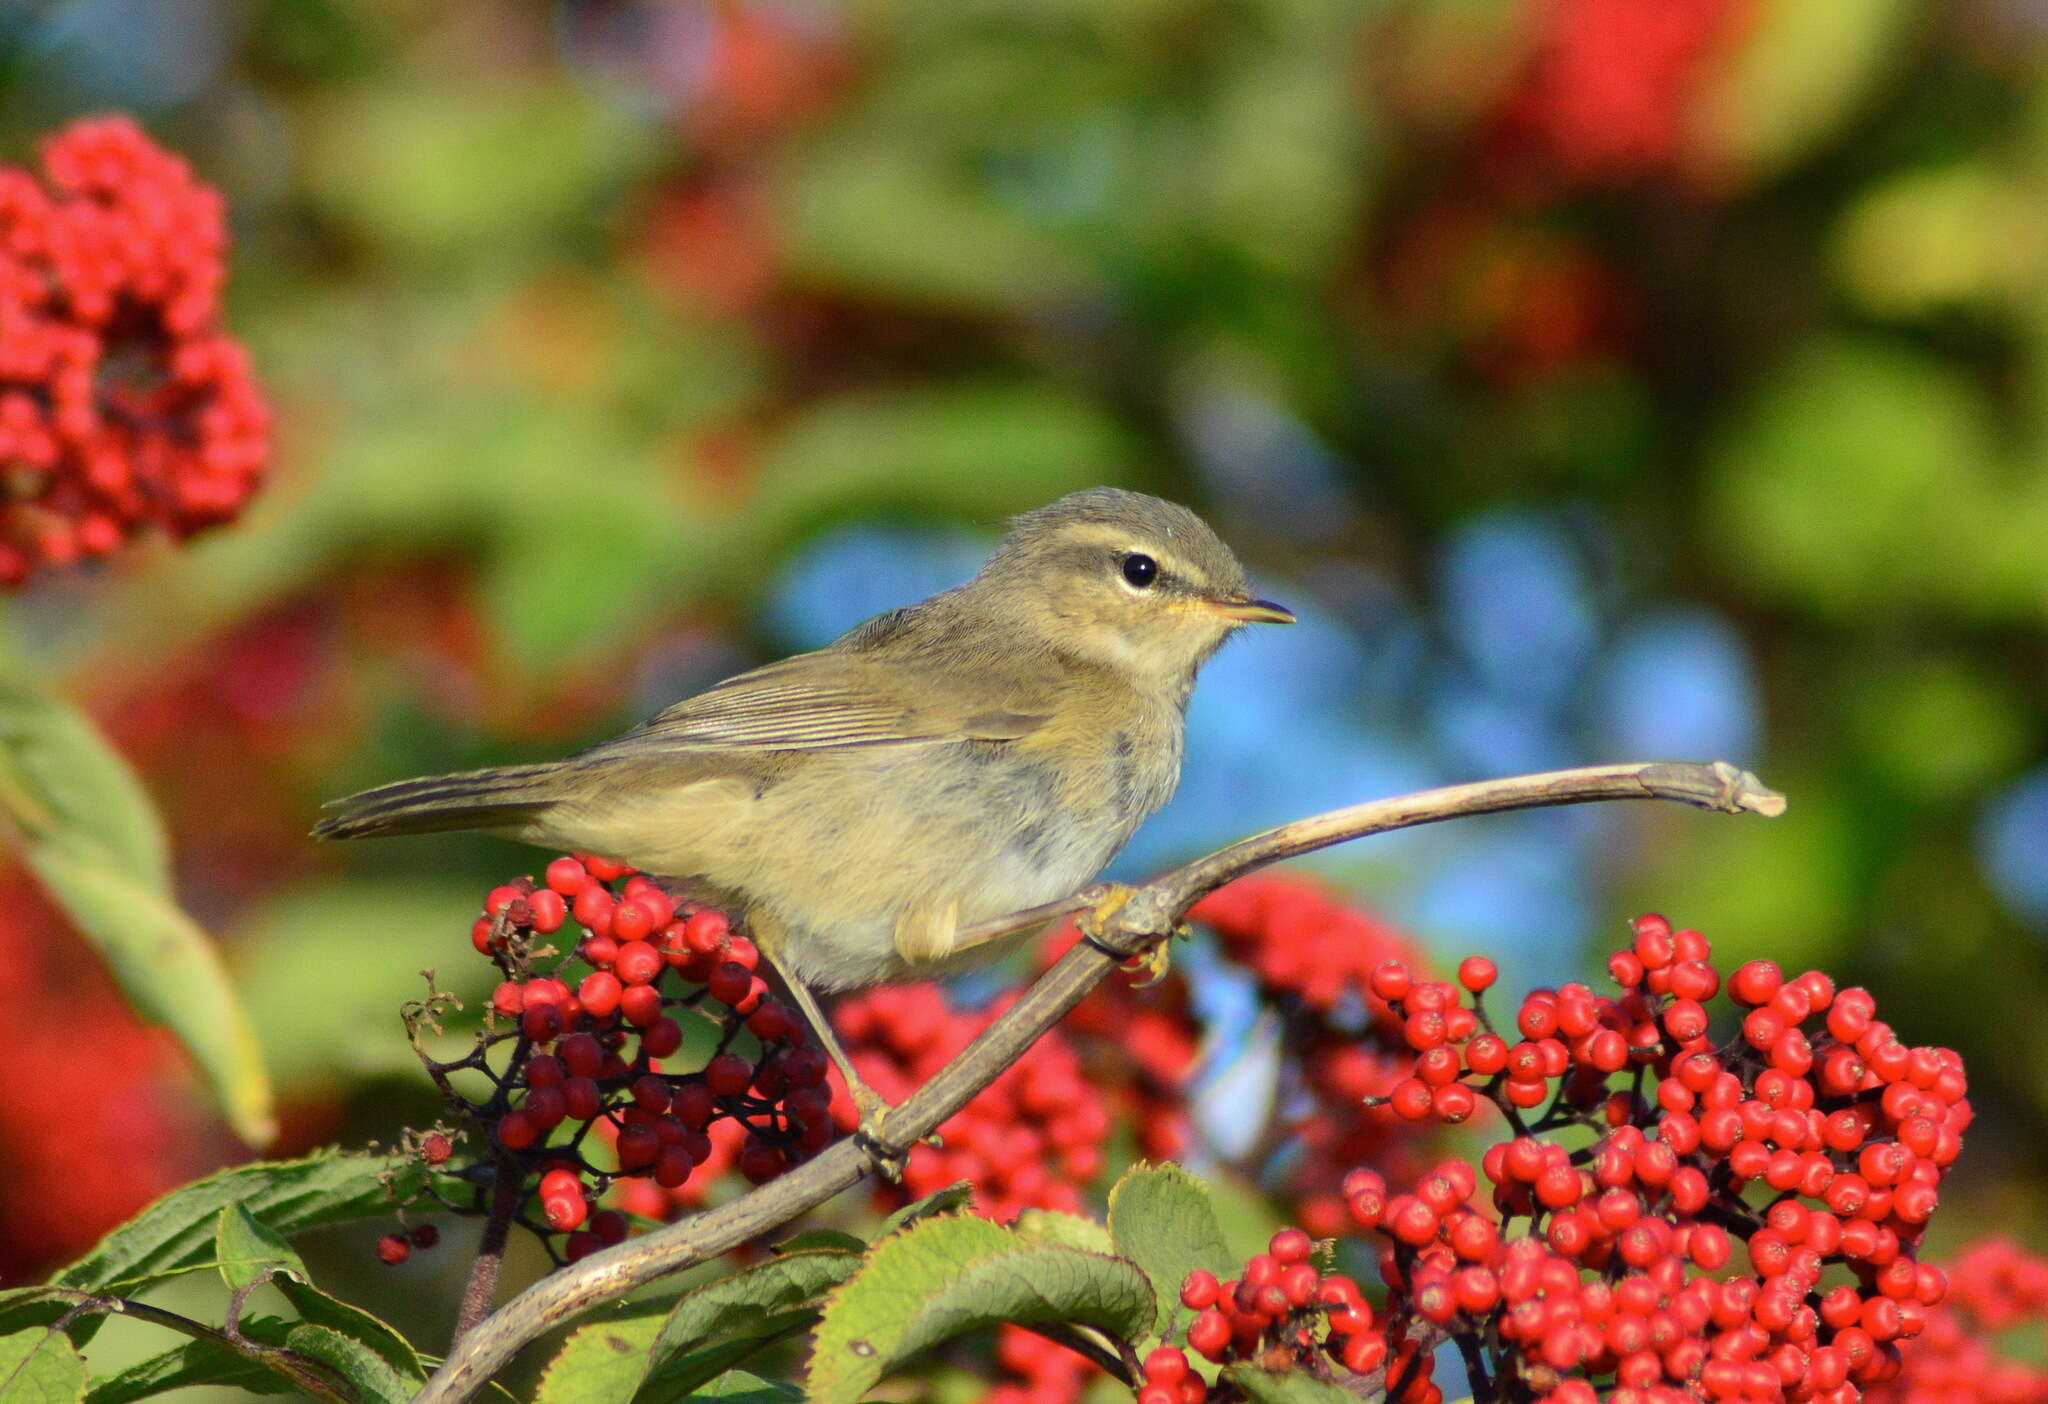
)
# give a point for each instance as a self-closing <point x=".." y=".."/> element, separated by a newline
<point x="980" y="839"/>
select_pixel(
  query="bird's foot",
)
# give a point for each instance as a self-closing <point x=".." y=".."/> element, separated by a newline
<point x="870" y="1135"/>
<point x="1108" y="898"/>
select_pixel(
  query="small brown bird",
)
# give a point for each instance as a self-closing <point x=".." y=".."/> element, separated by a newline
<point x="941" y="765"/>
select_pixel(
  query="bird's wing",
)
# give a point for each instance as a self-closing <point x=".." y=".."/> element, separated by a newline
<point x="830" y="698"/>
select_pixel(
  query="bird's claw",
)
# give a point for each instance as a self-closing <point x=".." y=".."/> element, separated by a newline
<point x="1154" y="962"/>
<point x="887" y="1157"/>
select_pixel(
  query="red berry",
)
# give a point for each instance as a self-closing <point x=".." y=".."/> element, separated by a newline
<point x="728" y="1075"/>
<point x="1477" y="973"/>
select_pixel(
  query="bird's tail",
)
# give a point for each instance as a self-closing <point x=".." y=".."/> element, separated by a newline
<point x="500" y="797"/>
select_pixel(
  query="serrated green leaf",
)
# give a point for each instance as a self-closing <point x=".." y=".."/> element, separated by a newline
<point x="88" y="830"/>
<point x="755" y="1301"/>
<point x="1293" y="1387"/>
<point x="601" y="1363"/>
<point x="289" y="1196"/>
<point x="194" y="1362"/>
<point x="739" y="1387"/>
<point x="834" y="1239"/>
<point x="245" y="1249"/>
<point x="690" y="1372"/>
<point x="23" y="1308"/>
<point x="40" y="1366"/>
<point x="368" y="1372"/>
<point x="949" y="1275"/>
<point x="1162" y="1219"/>
<point x="958" y="1195"/>
<point x="1071" y="1230"/>
<point x="79" y="783"/>
<point x="318" y="1308"/>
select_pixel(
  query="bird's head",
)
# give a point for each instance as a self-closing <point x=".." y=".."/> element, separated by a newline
<point x="1120" y="578"/>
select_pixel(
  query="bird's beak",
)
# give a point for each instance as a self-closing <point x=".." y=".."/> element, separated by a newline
<point x="1249" y="611"/>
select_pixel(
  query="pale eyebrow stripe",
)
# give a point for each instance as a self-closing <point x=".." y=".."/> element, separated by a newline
<point x="1097" y="534"/>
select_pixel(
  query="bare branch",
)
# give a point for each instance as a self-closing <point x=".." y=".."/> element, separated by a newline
<point x="1149" y="917"/>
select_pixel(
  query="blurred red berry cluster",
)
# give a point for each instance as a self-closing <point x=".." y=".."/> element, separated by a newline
<point x="87" y="1137"/>
<point x="123" y="406"/>
<point x="1033" y="1139"/>
<point x="1973" y="1349"/>
<point x="1314" y="957"/>
<point x="1311" y="957"/>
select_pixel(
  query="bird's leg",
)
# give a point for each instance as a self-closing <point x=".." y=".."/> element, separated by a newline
<point x="868" y="1103"/>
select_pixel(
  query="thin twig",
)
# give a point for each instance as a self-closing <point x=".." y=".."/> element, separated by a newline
<point x="313" y="1376"/>
<point x="1150" y="916"/>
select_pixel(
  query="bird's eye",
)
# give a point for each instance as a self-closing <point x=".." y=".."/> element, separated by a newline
<point x="1140" y="570"/>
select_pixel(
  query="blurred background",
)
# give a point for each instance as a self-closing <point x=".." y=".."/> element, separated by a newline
<point x="1599" y="379"/>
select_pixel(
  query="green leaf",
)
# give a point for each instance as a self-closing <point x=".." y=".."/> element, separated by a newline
<point x="1069" y="1230"/>
<point x="40" y="1367"/>
<point x="870" y="211"/>
<point x="24" y="1308"/>
<point x="680" y="1376"/>
<point x="1800" y="72"/>
<point x="600" y="1363"/>
<point x="755" y="1301"/>
<point x="194" y="1362"/>
<point x="321" y="1309"/>
<point x="170" y="972"/>
<point x="958" y="1195"/>
<point x="1939" y="521"/>
<point x="362" y="1366"/>
<point x="977" y="449"/>
<point x="739" y="1387"/>
<point x="949" y="1275"/>
<point x="1162" y="1219"/>
<point x="76" y="783"/>
<point x="462" y="171"/>
<point x="822" y="1238"/>
<point x="1293" y="1387"/>
<point x="289" y="1196"/>
<point x="88" y="830"/>
<point x="245" y="1250"/>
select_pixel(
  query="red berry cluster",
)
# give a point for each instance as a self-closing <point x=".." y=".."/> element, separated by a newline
<point x="122" y="404"/>
<point x="1995" y="1286"/>
<point x="1283" y="1313"/>
<point x="596" y="1058"/>
<point x="1031" y="1139"/>
<point x="1813" y="1139"/>
<point x="1139" y="1045"/>
<point x="1315" y="957"/>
